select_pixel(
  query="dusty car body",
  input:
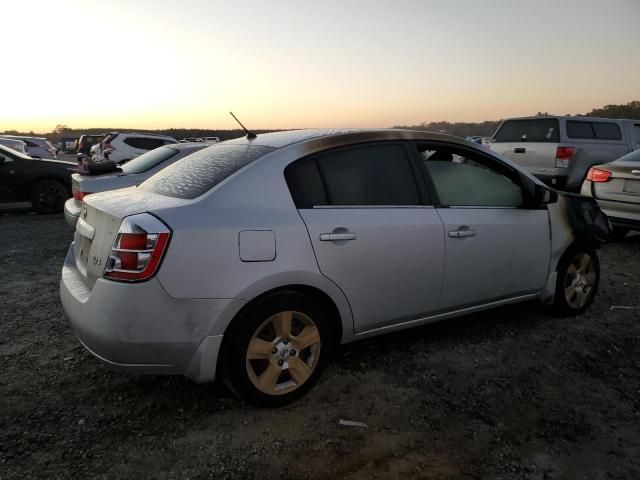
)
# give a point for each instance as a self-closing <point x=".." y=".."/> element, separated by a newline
<point x="249" y="259"/>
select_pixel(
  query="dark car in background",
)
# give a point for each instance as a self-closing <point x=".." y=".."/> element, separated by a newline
<point x="43" y="182"/>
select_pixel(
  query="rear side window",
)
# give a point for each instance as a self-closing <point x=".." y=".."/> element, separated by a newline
<point x="144" y="143"/>
<point x="363" y="176"/>
<point x="148" y="160"/>
<point x="599" y="130"/>
<point x="200" y="172"/>
<point x="580" y="130"/>
<point x="528" y="130"/>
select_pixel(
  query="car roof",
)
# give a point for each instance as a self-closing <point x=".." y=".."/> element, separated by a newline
<point x="343" y="136"/>
<point x="546" y="117"/>
<point x="22" y="136"/>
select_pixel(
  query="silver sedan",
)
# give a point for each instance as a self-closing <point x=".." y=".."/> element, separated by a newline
<point x="616" y="187"/>
<point x="252" y="259"/>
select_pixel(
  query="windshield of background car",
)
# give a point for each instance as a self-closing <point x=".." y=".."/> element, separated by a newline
<point x="529" y="130"/>
<point x="200" y="172"/>
<point x="11" y="153"/>
<point x="149" y="160"/>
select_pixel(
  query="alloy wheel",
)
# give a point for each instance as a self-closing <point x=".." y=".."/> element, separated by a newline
<point x="579" y="281"/>
<point x="283" y="352"/>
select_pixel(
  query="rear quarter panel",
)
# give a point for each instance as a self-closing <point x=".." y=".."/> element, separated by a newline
<point x="203" y="259"/>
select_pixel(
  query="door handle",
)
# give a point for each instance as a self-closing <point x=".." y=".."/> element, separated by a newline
<point x="467" y="232"/>
<point x="519" y="150"/>
<point x="336" y="237"/>
<point x="635" y="172"/>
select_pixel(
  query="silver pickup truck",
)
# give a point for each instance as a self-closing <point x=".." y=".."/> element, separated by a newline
<point x="560" y="150"/>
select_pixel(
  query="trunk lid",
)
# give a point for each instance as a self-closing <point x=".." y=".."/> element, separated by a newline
<point x="100" y="220"/>
<point x="624" y="184"/>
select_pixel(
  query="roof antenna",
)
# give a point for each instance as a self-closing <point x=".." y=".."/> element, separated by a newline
<point x="250" y="135"/>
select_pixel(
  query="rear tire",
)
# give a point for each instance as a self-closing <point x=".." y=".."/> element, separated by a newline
<point x="276" y="351"/>
<point x="578" y="280"/>
<point x="48" y="196"/>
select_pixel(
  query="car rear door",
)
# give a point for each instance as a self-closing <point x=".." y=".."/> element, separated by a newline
<point x="372" y="230"/>
<point x="496" y="248"/>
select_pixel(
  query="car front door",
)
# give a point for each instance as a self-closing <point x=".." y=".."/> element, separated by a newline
<point x="496" y="247"/>
<point x="373" y="231"/>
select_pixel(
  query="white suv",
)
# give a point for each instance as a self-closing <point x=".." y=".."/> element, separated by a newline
<point x="37" y="147"/>
<point x="122" y="147"/>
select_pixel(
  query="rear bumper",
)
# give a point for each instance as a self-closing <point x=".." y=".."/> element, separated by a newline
<point x="138" y="328"/>
<point x="621" y="214"/>
<point x="72" y="211"/>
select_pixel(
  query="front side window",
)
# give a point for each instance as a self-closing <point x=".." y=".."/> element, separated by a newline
<point x="370" y="175"/>
<point x="607" y="131"/>
<point x="464" y="179"/>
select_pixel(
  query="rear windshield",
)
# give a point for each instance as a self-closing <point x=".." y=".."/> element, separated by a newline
<point x="149" y="160"/>
<point x="200" y="172"/>
<point x="530" y="130"/>
<point x="630" y="157"/>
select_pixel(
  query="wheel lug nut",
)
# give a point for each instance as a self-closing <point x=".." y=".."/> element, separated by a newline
<point x="274" y="351"/>
<point x="292" y="352"/>
<point x="285" y="341"/>
<point x="280" y="363"/>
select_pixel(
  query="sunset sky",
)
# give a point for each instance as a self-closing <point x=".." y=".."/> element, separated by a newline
<point x="329" y="63"/>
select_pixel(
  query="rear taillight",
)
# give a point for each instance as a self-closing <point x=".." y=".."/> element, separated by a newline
<point x="78" y="195"/>
<point x="563" y="155"/>
<point x="138" y="248"/>
<point x="597" y="175"/>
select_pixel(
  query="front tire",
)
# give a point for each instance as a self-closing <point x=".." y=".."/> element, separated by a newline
<point x="578" y="280"/>
<point x="48" y="196"/>
<point x="276" y="351"/>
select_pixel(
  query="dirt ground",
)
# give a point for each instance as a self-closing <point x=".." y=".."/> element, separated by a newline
<point x="512" y="393"/>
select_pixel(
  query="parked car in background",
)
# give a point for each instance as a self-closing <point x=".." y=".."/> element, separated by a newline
<point x="560" y="150"/>
<point x="45" y="183"/>
<point x="85" y="142"/>
<point x="67" y="144"/>
<point x="121" y="147"/>
<point x="616" y="187"/>
<point x="132" y="173"/>
<point x="37" y="147"/>
<point x="253" y="258"/>
<point x="17" y="145"/>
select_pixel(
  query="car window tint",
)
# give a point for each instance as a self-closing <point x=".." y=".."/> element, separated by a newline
<point x="144" y="143"/>
<point x="148" y="160"/>
<point x="461" y="179"/>
<point x="200" y="172"/>
<point x="369" y="175"/>
<point x="607" y="131"/>
<point x="305" y="184"/>
<point x="528" y="130"/>
<point x="580" y="130"/>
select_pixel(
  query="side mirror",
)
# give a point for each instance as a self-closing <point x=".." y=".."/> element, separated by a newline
<point x="4" y="159"/>
<point x="543" y="195"/>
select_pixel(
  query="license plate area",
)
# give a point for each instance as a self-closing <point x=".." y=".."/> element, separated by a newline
<point x="632" y="187"/>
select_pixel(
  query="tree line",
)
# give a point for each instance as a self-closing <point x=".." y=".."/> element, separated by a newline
<point x="461" y="129"/>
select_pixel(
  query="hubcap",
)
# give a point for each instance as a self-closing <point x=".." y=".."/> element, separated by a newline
<point x="283" y="352"/>
<point x="579" y="281"/>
